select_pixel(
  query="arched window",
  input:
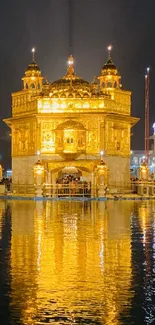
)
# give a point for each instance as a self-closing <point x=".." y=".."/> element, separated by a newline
<point x="26" y="86"/>
<point x="33" y="86"/>
<point x="38" y="86"/>
<point x="70" y="140"/>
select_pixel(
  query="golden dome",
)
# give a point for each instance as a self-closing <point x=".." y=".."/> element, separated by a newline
<point x="70" y="85"/>
<point x="33" y="68"/>
<point x="109" y="68"/>
<point x="109" y="77"/>
<point x="77" y="87"/>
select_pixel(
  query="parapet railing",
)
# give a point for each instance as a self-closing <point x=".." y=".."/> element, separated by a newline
<point x="22" y="189"/>
<point x="70" y="190"/>
<point x="67" y="190"/>
<point x="81" y="190"/>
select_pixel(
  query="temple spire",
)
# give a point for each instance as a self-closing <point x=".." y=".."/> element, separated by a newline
<point x="70" y="68"/>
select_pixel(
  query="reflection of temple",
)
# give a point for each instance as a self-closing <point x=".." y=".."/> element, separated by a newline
<point x="71" y="260"/>
<point x="70" y="121"/>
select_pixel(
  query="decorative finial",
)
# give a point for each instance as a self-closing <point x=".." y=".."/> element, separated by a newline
<point x="70" y="68"/>
<point x="33" y="54"/>
<point x="70" y="61"/>
<point x="109" y="51"/>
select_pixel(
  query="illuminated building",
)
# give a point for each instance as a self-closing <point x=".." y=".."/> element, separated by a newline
<point x="138" y="157"/>
<point x="70" y="121"/>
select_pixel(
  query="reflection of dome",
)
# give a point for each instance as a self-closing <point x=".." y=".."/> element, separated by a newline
<point x="70" y="125"/>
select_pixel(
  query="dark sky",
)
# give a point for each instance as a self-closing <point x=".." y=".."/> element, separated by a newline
<point x="128" y="25"/>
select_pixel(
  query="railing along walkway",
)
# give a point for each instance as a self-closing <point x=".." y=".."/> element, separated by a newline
<point x="64" y="190"/>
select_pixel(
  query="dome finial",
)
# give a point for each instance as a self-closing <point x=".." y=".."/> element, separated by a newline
<point x="70" y="61"/>
<point x="70" y="68"/>
<point x="109" y="51"/>
<point x="33" y="54"/>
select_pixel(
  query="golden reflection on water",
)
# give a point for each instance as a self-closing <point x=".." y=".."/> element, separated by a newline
<point x="2" y="209"/>
<point x="71" y="261"/>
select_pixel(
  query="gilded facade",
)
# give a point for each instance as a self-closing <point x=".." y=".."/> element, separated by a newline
<point x="70" y="121"/>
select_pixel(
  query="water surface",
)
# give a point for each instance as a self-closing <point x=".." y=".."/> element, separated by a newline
<point x="77" y="262"/>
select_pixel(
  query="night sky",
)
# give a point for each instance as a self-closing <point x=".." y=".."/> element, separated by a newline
<point x="46" y="24"/>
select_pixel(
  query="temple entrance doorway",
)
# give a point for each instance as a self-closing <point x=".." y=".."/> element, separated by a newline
<point x="71" y="181"/>
<point x="68" y="174"/>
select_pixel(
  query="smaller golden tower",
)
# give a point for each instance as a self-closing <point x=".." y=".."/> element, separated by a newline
<point x="33" y="78"/>
<point x="110" y="77"/>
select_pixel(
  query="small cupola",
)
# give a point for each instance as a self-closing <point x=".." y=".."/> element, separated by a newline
<point x="109" y="77"/>
<point x="33" y="79"/>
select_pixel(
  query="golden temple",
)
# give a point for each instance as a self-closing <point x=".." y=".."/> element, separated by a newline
<point x="71" y="123"/>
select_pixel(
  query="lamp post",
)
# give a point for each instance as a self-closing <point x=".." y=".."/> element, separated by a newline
<point x="101" y="154"/>
<point x="101" y="177"/>
<point x="39" y="176"/>
<point x="144" y="172"/>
